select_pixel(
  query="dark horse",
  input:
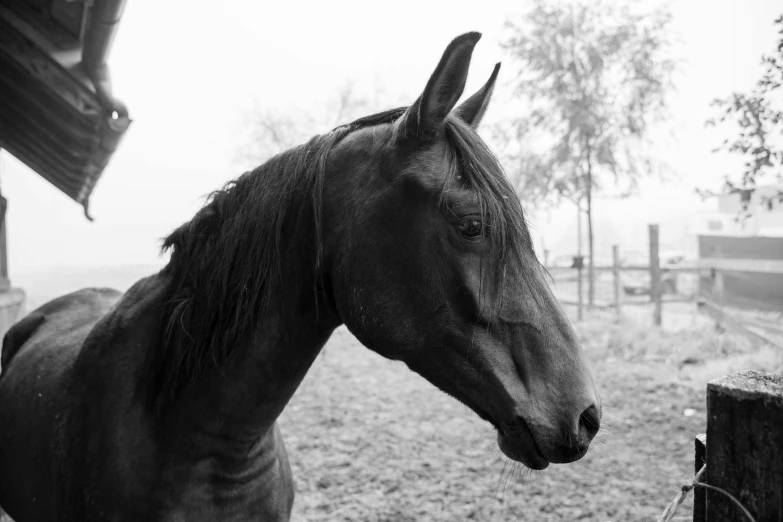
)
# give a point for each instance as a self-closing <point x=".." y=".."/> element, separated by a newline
<point x="160" y="404"/>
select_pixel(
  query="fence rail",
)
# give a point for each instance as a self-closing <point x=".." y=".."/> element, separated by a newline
<point x="766" y="266"/>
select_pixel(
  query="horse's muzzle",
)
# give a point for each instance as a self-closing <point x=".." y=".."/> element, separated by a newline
<point x="517" y="442"/>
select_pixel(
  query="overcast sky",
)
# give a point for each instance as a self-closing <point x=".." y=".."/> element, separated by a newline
<point x="188" y="71"/>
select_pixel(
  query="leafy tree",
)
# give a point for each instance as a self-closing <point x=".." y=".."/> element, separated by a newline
<point x="592" y="79"/>
<point x="759" y="116"/>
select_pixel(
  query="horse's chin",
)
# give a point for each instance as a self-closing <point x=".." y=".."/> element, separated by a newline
<point x="521" y="447"/>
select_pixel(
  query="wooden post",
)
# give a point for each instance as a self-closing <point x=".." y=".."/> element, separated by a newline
<point x="5" y="283"/>
<point x="655" y="275"/>
<point x="579" y="288"/>
<point x="716" y="295"/>
<point x="716" y="277"/>
<point x="546" y="258"/>
<point x="579" y="261"/>
<point x="617" y="282"/>
<point x="745" y="445"/>
<point x="716" y="290"/>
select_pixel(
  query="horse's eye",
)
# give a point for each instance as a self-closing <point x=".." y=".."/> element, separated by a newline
<point x="471" y="228"/>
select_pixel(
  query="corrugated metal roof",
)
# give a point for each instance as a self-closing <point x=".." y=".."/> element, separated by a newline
<point x="52" y="117"/>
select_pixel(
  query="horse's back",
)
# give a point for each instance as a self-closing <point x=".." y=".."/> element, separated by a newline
<point x="37" y="358"/>
<point x="65" y="316"/>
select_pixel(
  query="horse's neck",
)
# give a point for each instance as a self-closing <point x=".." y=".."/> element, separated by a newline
<point x="242" y="401"/>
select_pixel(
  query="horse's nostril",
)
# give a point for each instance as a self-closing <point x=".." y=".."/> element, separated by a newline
<point x="575" y="443"/>
<point x="589" y="422"/>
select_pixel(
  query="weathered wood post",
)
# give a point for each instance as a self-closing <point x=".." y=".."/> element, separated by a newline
<point x="579" y="263"/>
<point x="716" y="279"/>
<point x="616" y="276"/>
<point x="655" y="275"/>
<point x="745" y="446"/>
<point x="11" y="299"/>
<point x="5" y="284"/>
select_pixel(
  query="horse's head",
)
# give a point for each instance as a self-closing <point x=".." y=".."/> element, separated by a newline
<point x="431" y="263"/>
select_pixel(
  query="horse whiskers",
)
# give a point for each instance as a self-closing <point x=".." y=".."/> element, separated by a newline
<point x="511" y="470"/>
<point x="513" y="473"/>
<point x="603" y="432"/>
<point x="498" y="496"/>
<point x="488" y="446"/>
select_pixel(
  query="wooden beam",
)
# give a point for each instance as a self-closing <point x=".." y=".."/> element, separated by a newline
<point x="725" y="320"/>
<point x="766" y="266"/>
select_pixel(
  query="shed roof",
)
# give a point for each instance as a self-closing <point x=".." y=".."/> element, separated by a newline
<point x="57" y="112"/>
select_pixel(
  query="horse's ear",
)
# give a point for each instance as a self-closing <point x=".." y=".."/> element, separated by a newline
<point x="425" y="117"/>
<point x="472" y="110"/>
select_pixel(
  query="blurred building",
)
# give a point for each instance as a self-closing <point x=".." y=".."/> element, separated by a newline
<point x="57" y="112"/>
<point x="748" y="242"/>
<point x="723" y="215"/>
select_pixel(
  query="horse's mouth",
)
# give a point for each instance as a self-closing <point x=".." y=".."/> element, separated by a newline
<point x="519" y="444"/>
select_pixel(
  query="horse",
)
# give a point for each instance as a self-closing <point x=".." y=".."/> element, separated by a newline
<point x="161" y="404"/>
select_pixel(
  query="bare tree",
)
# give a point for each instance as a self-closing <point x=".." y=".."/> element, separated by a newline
<point x="271" y="131"/>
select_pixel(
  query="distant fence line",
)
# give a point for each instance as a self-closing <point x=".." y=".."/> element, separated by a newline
<point x="701" y="281"/>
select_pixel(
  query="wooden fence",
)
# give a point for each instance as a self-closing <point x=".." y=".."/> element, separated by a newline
<point x="709" y="302"/>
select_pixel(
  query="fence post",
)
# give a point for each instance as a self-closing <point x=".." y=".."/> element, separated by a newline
<point x="579" y="288"/>
<point x="617" y="282"/>
<point x="655" y="275"/>
<point x="5" y="283"/>
<point x="745" y="445"/>
<point x="546" y="257"/>
<point x="716" y="294"/>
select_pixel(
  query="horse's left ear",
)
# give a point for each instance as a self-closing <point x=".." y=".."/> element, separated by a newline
<point x="425" y="117"/>
<point x="472" y="110"/>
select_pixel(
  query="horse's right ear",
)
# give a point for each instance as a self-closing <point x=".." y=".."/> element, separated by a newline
<point x="424" y="119"/>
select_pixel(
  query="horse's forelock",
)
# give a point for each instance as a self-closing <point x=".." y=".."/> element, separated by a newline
<point x="497" y="198"/>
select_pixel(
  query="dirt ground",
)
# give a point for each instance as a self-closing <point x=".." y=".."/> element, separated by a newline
<point x="371" y="441"/>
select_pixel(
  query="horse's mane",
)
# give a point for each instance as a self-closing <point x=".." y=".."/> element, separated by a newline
<point x="225" y="259"/>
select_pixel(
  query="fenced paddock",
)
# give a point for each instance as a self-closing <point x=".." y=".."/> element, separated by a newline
<point x="741" y="452"/>
<point x="371" y="441"/>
